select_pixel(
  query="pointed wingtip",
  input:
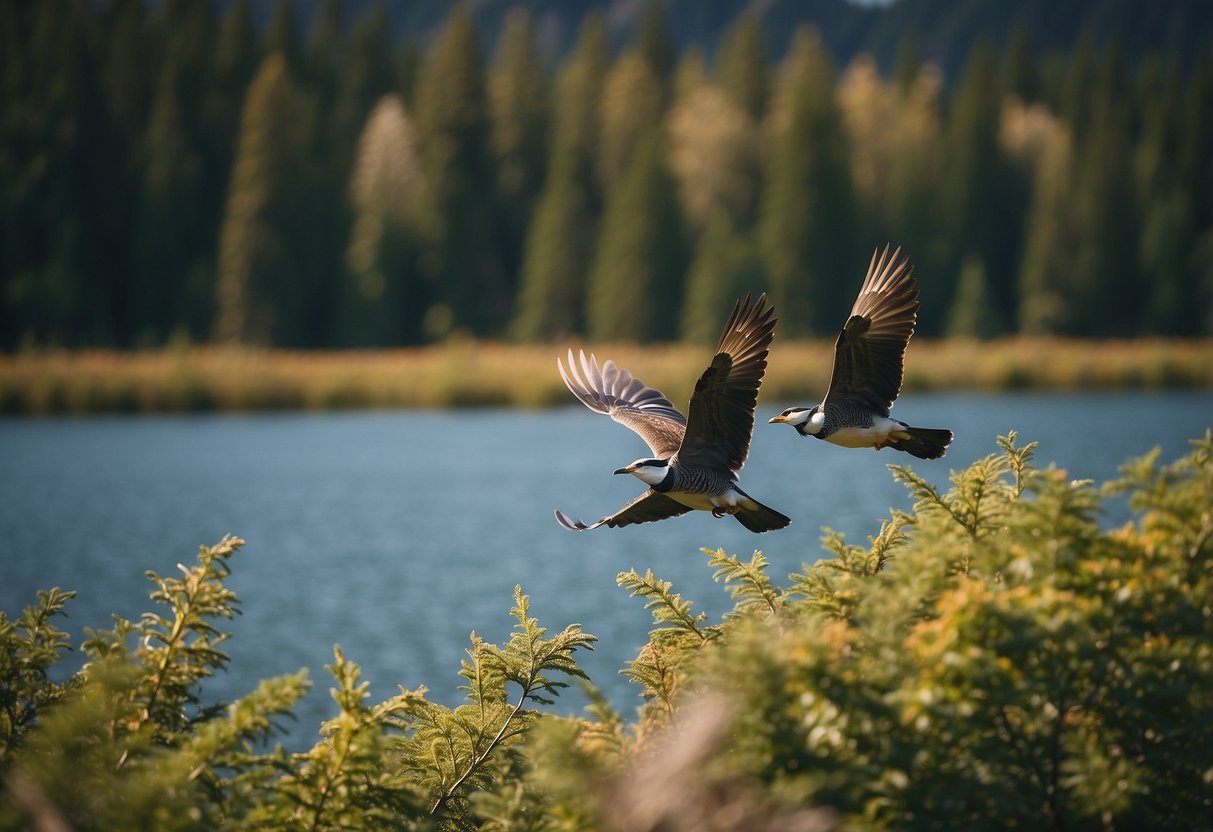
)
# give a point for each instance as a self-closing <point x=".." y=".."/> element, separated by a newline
<point x="569" y="523"/>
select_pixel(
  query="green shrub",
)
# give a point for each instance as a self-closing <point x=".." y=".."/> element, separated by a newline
<point x="991" y="659"/>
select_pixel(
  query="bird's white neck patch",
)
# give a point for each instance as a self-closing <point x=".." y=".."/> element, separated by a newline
<point x="650" y="474"/>
<point x="815" y="423"/>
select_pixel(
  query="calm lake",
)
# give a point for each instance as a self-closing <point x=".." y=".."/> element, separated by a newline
<point x="395" y="534"/>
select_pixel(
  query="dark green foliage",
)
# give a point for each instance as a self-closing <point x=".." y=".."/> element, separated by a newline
<point x="807" y="215"/>
<point x="123" y="194"/>
<point x="993" y="657"/>
<point x="638" y="266"/>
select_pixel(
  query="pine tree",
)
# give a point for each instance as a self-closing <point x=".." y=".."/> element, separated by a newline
<point x="385" y="299"/>
<point x="559" y="241"/>
<point x="1046" y="277"/>
<point x="807" y="212"/>
<point x="257" y="296"/>
<point x="453" y="126"/>
<point x="972" y="314"/>
<point x="983" y="202"/>
<point x="1108" y="292"/>
<point x="636" y="279"/>
<point x="518" y="98"/>
<point x="551" y="297"/>
<point x="742" y="66"/>
<point x="725" y="267"/>
<point x="171" y="284"/>
<point x="576" y="124"/>
<point x="631" y="103"/>
<point x="714" y="155"/>
<point x="1020" y="66"/>
<point x="653" y="44"/>
<point x="282" y="36"/>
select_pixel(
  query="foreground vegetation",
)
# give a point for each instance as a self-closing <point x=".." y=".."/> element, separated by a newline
<point x="470" y="373"/>
<point x="993" y="659"/>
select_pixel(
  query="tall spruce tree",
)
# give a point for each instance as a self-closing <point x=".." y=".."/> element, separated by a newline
<point x="725" y="266"/>
<point x="742" y="65"/>
<point x="453" y="124"/>
<point x="257" y="293"/>
<point x="714" y="155"/>
<point x="172" y="266"/>
<point x="385" y="299"/>
<point x="632" y="102"/>
<point x="1109" y="297"/>
<point x="559" y="241"/>
<point x="983" y="201"/>
<point x="806" y="218"/>
<point x="518" y="98"/>
<point x="636" y="280"/>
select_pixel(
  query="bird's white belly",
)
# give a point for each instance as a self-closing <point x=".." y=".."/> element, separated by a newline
<point x="708" y="502"/>
<point x="882" y="429"/>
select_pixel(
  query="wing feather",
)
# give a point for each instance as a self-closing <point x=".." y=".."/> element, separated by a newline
<point x="612" y="390"/>
<point x="721" y="414"/>
<point x="869" y="355"/>
<point x="646" y="508"/>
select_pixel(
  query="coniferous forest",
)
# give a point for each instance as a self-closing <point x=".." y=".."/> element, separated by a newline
<point x="195" y="172"/>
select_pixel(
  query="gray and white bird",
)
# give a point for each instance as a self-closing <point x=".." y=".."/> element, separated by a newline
<point x="869" y="359"/>
<point x="695" y="458"/>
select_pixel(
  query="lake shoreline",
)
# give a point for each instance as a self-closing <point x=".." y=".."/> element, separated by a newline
<point x="466" y="374"/>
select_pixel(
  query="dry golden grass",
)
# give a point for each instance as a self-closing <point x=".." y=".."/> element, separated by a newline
<point x="474" y="374"/>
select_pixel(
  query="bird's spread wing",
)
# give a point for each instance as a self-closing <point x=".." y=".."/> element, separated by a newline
<point x="646" y="508"/>
<point x="869" y="355"/>
<point x="617" y="393"/>
<point x="721" y="415"/>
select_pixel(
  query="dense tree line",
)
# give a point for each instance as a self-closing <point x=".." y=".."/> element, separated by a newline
<point x="180" y="172"/>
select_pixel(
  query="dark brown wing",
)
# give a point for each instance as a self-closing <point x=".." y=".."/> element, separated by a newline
<point x="869" y="355"/>
<point x="646" y="508"/>
<point x="721" y="415"/>
<point x="616" y="392"/>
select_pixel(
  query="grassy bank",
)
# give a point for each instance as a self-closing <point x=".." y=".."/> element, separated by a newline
<point x="482" y="374"/>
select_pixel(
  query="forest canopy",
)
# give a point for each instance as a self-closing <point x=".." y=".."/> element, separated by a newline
<point x="187" y="172"/>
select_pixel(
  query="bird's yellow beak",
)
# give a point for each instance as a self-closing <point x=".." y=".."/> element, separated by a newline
<point x="627" y="470"/>
<point x="776" y="420"/>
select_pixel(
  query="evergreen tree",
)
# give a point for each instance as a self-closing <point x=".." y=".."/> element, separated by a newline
<point x="807" y="212"/>
<point x="636" y="279"/>
<point x="518" y="99"/>
<point x="576" y="126"/>
<point x="1108" y="292"/>
<point x="172" y="267"/>
<point x="453" y="124"/>
<point x="742" y="65"/>
<point x="631" y="104"/>
<point x="385" y="299"/>
<point x="258" y="296"/>
<point x="908" y="63"/>
<point x="1020" y="67"/>
<point x="559" y="241"/>
<point x="1047" y="297"/>
<point x="983" y="201"/>
<point x="714" y="156"/>
<point x="282" y="36"/>
<point x="725" y="267"/>
<point x="653" y="43"/>
<point x="972" y="314"/>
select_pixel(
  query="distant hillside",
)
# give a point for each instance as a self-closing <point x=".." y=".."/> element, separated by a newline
<point x="945" y="29"/>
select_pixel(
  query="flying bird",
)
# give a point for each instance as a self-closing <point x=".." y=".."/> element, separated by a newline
<point x="869" y="359"/>
<point x="696" y="457"/>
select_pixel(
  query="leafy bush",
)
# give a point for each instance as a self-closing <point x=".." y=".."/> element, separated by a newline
<point x="993" y="658"/>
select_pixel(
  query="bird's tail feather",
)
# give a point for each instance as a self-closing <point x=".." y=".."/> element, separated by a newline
<point x="925" y="443"/>
<point x="761" y="518"/>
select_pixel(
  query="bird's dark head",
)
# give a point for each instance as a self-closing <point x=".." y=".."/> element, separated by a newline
<point x="800" y="418"/>
<point x="651" y="471"/>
